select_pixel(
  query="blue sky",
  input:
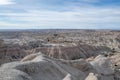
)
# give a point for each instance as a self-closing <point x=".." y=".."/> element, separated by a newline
<point x="59" y="14"/>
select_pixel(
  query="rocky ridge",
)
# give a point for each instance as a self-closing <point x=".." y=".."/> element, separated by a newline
<point x="41" y="67"/>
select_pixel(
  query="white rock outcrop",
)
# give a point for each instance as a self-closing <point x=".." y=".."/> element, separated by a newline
<point x="91" y="76"/>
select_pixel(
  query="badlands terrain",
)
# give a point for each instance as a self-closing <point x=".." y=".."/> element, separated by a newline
<point x="59" y="55"/>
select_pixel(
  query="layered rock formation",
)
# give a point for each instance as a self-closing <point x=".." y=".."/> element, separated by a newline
<point x="10" y="53"/>
<point x="71" y="55"/>
<point x="16" y="52"/>
<point x="15" y="45"/>
<point x="75" y="52"/>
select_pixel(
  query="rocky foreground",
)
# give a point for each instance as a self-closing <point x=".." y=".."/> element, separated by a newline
<point x="41" y="67"/>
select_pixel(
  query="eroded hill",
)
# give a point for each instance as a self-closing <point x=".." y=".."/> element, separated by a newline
<point x="61" y="44"/>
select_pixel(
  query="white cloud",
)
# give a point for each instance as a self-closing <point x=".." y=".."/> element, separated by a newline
<point x="6" y="2"/>
<point x="84" y="18"/>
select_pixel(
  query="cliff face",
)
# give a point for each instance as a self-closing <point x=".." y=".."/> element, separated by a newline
<point x="14" y="52"/>
<point x="40" y="67"/>
<point x="15" y="49"/>
<point x="74" y="52"/>
<point x="10" y="53"/>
